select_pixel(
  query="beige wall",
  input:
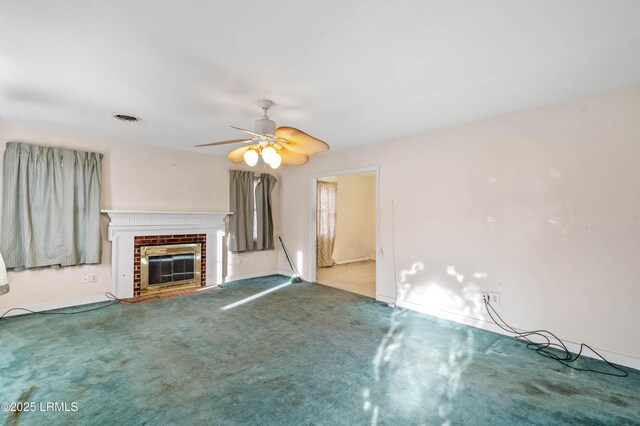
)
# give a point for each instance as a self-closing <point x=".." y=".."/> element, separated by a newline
<point x="542" y="206"/>
<point x="356" y="217"/>
<point x="135" y="177"/>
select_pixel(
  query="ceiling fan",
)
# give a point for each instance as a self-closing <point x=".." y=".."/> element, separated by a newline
<point x="282" y="145"/>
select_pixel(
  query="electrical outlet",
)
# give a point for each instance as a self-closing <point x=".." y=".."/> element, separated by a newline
<point x="84" y="279"/>
<point x="485" y="297"/>
<point x="494" y="298"/>
<point x="93" y="278"/>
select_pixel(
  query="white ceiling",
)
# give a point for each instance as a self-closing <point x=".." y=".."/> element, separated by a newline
<point x="347" y="72"/>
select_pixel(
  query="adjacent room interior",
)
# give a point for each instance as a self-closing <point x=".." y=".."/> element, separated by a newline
<point x="332" y="213"/>
<point x="346" y="225"/>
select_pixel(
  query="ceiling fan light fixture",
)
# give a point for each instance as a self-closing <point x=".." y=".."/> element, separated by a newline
<point x="268" y="154"/>
<point x="277" y="160"/>
<point x="293" y="145"/>
<point x="251" y="157"/>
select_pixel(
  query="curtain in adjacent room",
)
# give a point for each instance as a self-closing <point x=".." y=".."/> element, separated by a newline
<point x="325" y="222"/>
<point x="241" y="200"/>
<point x="264" y="213"/>
<point x="50" y="206"/>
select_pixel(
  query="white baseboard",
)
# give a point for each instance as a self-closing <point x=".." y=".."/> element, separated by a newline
<point x="357" y="259"/>
<point x="68" y="303"/>
<point x="613" y="357"/>
<point x="56" y="304"/>
<point x="252" y="275"/>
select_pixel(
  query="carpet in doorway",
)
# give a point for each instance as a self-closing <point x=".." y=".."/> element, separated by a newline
<point x="356" y="277"/>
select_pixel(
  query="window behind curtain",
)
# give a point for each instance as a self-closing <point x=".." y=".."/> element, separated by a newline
<point x="50" y="206"/>
<point x="251" y="225"/>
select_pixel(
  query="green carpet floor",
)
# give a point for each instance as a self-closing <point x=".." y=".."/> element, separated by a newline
<point x="304" y="354"/>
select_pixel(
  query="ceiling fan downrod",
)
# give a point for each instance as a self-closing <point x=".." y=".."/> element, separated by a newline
<point x="265" y="125"/>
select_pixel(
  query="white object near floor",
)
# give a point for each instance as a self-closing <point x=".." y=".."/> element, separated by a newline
<point x="4" y="281"/>
<point x="125" y="225"/>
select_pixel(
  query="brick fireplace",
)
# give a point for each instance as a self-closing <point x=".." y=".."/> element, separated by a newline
<point x="130" y="231"/>
<point x="147" y="241"/>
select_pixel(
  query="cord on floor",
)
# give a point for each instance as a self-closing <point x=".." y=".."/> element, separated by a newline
<point x="566" y="357"/>
<point x="109" y="295"/>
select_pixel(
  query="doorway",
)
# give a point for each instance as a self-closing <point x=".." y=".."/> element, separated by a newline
<point x="345" y="231"/>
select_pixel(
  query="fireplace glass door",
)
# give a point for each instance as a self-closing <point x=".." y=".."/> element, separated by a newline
<point x="168" y="265"/>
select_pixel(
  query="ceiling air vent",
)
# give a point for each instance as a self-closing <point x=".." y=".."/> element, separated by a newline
<point x="125" y="117"/>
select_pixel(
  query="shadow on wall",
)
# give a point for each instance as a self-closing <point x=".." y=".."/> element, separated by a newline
<point x="412" y="380"/>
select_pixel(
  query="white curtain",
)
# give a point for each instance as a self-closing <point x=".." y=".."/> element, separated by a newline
<point x="325" y="222"/>
<point x="50" y="206"/>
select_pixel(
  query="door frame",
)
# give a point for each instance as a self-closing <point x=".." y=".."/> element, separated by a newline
<point x="313" y="179"/>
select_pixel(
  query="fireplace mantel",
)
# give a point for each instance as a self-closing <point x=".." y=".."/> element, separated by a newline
<point x="125" y="225"/>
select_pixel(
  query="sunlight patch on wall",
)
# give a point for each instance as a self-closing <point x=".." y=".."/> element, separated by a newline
<point x="395" y="370"/>
<point x="459" y="296"/>
<point x="451" y="270"/>
<point x="299" y="262"/>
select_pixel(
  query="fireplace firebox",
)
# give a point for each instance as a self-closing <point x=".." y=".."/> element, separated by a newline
<point x="162" y="266"/>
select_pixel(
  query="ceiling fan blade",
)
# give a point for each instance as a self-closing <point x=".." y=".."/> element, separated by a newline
<point x="225" y="142"/>
<point x="300" y="142"/>
<point x="237" y="155"/>
<point x="260" y="135"/>
<point x="292" y="158"/>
